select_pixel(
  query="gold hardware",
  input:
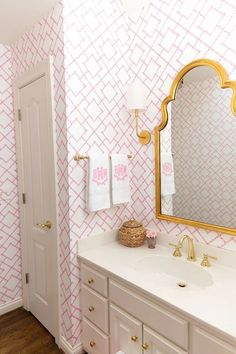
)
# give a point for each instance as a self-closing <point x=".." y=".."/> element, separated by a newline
<point x="92" y="344"/>
<point x="90" y="281"/>
<point x="46" y="225"/>
<point x="23" y="198"/>
<point x="191" y="248"/>
<point x="79" y="157"/>
<point x="205" y="261"/>
<point x="177" y="252"/>
<point x="91" y="308"/>
<point x="145" y="346"/>
<point x="134" y="338"/>
<point x="144" y="136"/>
<point x="224" y="83"/>
<point x="19" y="115"/>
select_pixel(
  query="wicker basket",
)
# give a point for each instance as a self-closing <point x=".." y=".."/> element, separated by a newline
<point x="132" y="234"/>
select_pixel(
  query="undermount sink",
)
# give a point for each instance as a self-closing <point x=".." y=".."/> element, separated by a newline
<point x="183" y="272"/>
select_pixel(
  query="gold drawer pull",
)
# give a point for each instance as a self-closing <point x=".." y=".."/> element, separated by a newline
<point x="91" y="308"/>
<point x="145" y="346"/>
<point x="92" y="344"/>
<point x="134" y="338"/>
<point x="90" y="281"/>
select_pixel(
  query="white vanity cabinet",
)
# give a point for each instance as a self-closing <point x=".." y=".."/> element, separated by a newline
<point x="117" y="316"/>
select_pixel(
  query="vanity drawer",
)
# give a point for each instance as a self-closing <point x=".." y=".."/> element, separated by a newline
<point x="164" y="322"/>
<point x="95" y="308"/>
<point x="94" y="280"/>
<point x="94" y="341"/>
<point x="204" y="342"/>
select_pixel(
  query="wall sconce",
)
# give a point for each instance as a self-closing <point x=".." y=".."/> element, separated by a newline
<point x="136" y="101"/>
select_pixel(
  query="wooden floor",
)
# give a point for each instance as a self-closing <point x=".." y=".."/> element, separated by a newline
<point x="21" y="333"/>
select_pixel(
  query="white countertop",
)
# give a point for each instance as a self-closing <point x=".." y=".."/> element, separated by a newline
<point x="215" y="305"/>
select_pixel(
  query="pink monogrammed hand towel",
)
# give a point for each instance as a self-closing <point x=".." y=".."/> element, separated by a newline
<point x="120" y="179"/>
<point x="98" y="182"/>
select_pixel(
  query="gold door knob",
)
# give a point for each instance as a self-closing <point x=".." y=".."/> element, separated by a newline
<point x="92" y="344"/>
<point x="90" y="281"/>
<point x="134" y="338"/>
<point x="91" y="308"/>
<point x="145" y="346"/>
<point x="46" y="226"/>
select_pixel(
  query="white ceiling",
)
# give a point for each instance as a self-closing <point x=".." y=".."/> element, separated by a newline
<point x="18" y="16"/>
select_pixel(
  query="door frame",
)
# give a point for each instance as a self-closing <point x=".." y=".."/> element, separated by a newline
<point x="44" y="68"/>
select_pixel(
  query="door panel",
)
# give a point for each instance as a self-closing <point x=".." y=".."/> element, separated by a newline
<point x="204" y="342"/>
<point x="126" y="332"/>
<point x="40" y="272"/>
<point x="39" y="187"/>
<point x="156" y="344"/>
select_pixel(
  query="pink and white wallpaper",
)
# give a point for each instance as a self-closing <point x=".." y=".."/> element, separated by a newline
<point x="10" y="251"/>
<point x="102" y="50"/>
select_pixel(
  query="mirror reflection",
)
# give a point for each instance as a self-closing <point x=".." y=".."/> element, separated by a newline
<point x="198" y="152"/>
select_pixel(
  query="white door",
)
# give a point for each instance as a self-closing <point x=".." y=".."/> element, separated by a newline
<point x="153" y="343"/>
<point x="35" y="140"/>
<point x="126" y="332"/>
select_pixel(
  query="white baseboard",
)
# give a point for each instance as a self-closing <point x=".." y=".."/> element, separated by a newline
<point x="68" y="349"/>
<point x="9" y="306"/>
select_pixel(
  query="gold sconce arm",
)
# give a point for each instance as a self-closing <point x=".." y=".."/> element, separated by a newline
<point x="144" y="136"/>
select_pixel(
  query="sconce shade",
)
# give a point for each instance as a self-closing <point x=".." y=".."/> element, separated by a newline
<point x="136" y="96"/>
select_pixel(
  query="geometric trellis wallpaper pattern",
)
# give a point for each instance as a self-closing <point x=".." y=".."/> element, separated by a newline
<point x="10" y="255"/>
<point x="103" y="50"/>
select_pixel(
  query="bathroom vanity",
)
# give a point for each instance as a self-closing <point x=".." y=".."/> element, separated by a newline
<point x="132" y="301"/>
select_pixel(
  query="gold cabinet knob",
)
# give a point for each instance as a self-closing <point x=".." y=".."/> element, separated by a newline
<point x="91" y="308"/>
<point x="134" y="338"/>
<point x="46" y="226"/>
<point x="145" y="346"/>
<point x="90" y="281"/>
<point x="92" y="344"/>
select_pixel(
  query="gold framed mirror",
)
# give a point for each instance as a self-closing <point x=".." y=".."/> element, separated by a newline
<point x="195" y="149"/>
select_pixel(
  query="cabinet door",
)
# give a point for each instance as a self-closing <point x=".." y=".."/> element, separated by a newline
<point x="204" y="342"/>
<point x="153" y="343"/>
<point x="125" y="332"/>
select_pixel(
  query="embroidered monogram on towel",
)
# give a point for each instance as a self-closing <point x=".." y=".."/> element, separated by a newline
<point x="120" y="172"/>
<point x="100" y="175"/>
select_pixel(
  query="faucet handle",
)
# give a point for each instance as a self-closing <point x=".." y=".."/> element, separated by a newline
<point x="205" y="262"/>
<point x="177" y="252"/>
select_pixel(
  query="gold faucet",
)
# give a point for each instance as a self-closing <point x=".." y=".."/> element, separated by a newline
<point x="191" y="248"/>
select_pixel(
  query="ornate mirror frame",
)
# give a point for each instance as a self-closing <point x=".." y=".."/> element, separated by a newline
<point x="224" y="83"/>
